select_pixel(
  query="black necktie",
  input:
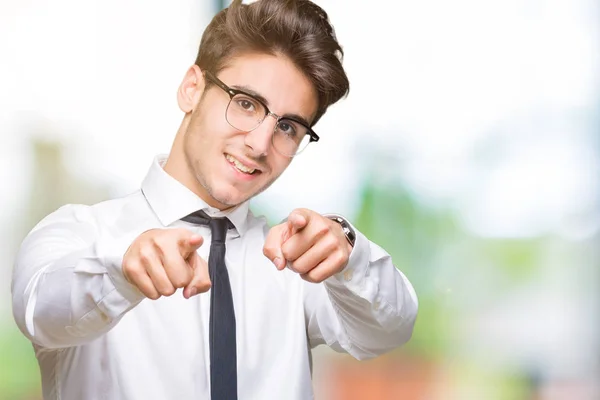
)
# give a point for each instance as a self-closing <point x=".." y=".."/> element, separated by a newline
<point x="223" y="363"/>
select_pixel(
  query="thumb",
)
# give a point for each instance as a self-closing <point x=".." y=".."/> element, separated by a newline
<point x="200" y="282"/>
<point x="272" y="247"/>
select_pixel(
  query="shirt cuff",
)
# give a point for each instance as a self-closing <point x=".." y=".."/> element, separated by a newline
<point x="111" y="252"/>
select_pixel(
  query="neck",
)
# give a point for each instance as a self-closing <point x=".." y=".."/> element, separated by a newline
<point x="176" y="165"/>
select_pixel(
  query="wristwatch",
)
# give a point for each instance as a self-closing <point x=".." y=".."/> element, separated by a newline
<point x="346" y="227"/>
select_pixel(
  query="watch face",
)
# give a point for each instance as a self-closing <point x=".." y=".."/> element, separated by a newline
<point x="348" y="231"/>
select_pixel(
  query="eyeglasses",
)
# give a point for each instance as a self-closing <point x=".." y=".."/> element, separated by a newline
<point x="245" y="112"/>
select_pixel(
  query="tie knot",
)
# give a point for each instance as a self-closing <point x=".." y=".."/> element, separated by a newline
<point x="218" y="226"/>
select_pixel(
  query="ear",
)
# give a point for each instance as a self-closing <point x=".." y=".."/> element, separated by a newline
<point x="191" y="89"/>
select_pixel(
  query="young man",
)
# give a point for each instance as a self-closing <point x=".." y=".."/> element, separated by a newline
<point x="119" y="299"/>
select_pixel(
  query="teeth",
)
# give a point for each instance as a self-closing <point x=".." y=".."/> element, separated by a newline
<point x="239" y="165"/>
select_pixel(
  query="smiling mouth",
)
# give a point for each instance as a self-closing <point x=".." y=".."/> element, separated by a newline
<point x="241" y="167"/>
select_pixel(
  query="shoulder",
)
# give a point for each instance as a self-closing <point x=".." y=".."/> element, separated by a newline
<point x="100" y="214"/>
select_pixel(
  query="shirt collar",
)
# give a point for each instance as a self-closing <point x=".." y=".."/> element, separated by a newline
<point x="171" y="200"/>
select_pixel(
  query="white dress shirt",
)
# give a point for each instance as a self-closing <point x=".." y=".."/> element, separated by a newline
<point x="97" y="337"/>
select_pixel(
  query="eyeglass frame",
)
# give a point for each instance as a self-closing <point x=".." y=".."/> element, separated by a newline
<point x="233" y="92"/>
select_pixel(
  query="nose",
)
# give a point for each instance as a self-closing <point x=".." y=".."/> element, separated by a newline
<point x="259" y="139"/>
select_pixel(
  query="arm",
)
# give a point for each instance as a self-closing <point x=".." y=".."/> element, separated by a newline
<point x="355" y="299"/>
<point x="68" y="287"/>
<point x="366" y="309"/>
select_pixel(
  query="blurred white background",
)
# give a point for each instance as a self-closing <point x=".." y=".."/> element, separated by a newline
<point x="487" y="109"/>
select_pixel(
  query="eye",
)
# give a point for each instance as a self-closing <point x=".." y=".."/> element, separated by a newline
<point x="287" y="127"/>
<point x="246" y="104"/>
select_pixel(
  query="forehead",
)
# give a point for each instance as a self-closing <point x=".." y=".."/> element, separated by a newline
<point x="277" y="79"/>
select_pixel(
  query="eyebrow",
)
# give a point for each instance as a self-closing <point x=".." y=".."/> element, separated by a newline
<point x="253" y="93"/>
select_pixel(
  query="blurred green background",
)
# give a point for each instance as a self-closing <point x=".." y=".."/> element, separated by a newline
<point x="468" y="148"/>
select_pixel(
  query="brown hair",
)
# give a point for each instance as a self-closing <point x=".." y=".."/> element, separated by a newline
<point x="298" y="29"/>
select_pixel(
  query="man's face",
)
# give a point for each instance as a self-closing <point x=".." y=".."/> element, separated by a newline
<point x="218" y="156"/>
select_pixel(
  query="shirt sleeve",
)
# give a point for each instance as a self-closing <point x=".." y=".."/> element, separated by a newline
<point x="68" y="287"/>
<point x="367" y="309"/>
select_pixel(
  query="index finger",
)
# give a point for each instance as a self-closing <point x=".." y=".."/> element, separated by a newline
<point x="298" y="219"/>
<point x="189" y="244"/>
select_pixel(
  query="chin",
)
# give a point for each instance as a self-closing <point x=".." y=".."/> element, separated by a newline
<point x="229" y="197"/>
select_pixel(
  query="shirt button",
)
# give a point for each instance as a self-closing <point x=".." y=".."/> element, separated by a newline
<point x="348" y="276"/>
<point x="376" y="306"/>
